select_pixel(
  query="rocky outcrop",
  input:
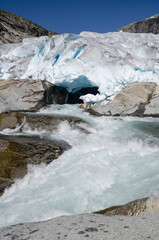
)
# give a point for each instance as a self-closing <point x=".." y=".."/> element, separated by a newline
<point x="49" y="123"/>
<point x="14" y="28"/>
<point x="138" y="207"/>
<point x="137" y="99"/>
<point x="148" y="25"/>
<point x="29" y="95"/>
<point x="18" y="151"/>
<point x="86" y="226"/>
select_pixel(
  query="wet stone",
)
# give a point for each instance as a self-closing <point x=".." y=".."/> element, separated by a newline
<point x="18" y="151"/>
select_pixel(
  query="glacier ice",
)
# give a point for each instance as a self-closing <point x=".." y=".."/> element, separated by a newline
<point x="108" y="61"/>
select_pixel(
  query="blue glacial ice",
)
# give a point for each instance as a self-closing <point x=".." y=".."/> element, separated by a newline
<point x="108" y="61"/>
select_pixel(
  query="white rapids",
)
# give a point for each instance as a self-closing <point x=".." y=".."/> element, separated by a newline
<point x="116" y="163"/>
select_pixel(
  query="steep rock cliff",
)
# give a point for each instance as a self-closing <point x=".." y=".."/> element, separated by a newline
<point x="14" y="28"/>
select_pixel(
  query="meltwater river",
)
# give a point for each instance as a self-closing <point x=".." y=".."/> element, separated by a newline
<point x="116" y="163"/>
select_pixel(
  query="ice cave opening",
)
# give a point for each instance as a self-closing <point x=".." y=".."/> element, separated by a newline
<point x="74" y="97"/>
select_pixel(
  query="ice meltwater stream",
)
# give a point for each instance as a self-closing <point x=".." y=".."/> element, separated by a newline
<point x="116" y="163"/>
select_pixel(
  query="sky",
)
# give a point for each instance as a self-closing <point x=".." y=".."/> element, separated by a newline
<point x="68" y="16"/>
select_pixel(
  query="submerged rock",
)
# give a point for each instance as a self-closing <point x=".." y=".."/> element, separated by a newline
<point x="137" y="99"/>
<point x="29" y="95"/>
<point x="135" y="208"/>
<point x="18" y="151"/>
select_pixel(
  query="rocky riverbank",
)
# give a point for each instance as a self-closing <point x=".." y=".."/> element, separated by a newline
<point x="86" y="226"/>
<point x="95" y="226"/>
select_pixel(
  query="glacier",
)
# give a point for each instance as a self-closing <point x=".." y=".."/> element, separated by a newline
<point x="108" y="61"/>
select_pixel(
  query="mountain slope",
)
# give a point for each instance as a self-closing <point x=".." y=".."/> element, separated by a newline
<point x="14" y="28"/>
<point x="148" y="25"/>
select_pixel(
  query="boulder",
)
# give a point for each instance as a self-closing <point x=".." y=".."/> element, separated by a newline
<point x="135" y="208"/>
<point x="18" y="151"/>
<point x="137" y="99"/>
<point x="10" y="120"/>
<point x="29" y="95"/>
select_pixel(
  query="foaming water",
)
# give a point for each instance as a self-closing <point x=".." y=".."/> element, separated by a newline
<point x="116" y="163"/>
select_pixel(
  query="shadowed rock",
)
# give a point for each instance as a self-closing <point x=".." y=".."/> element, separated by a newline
<point x="55" y="95"/>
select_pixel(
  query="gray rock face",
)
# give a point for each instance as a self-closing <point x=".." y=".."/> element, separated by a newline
<point x="148" y="25"/>
<point x="29" y="95"/>
<point x="137" y="99"/>
<point x="14" y="29"/>
<point x="86" y="226"/>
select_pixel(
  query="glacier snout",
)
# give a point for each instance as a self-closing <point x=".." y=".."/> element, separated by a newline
<point x="105" y="61"/>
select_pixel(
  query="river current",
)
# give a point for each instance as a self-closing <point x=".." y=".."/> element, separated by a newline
<point x="117" y="162"/>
